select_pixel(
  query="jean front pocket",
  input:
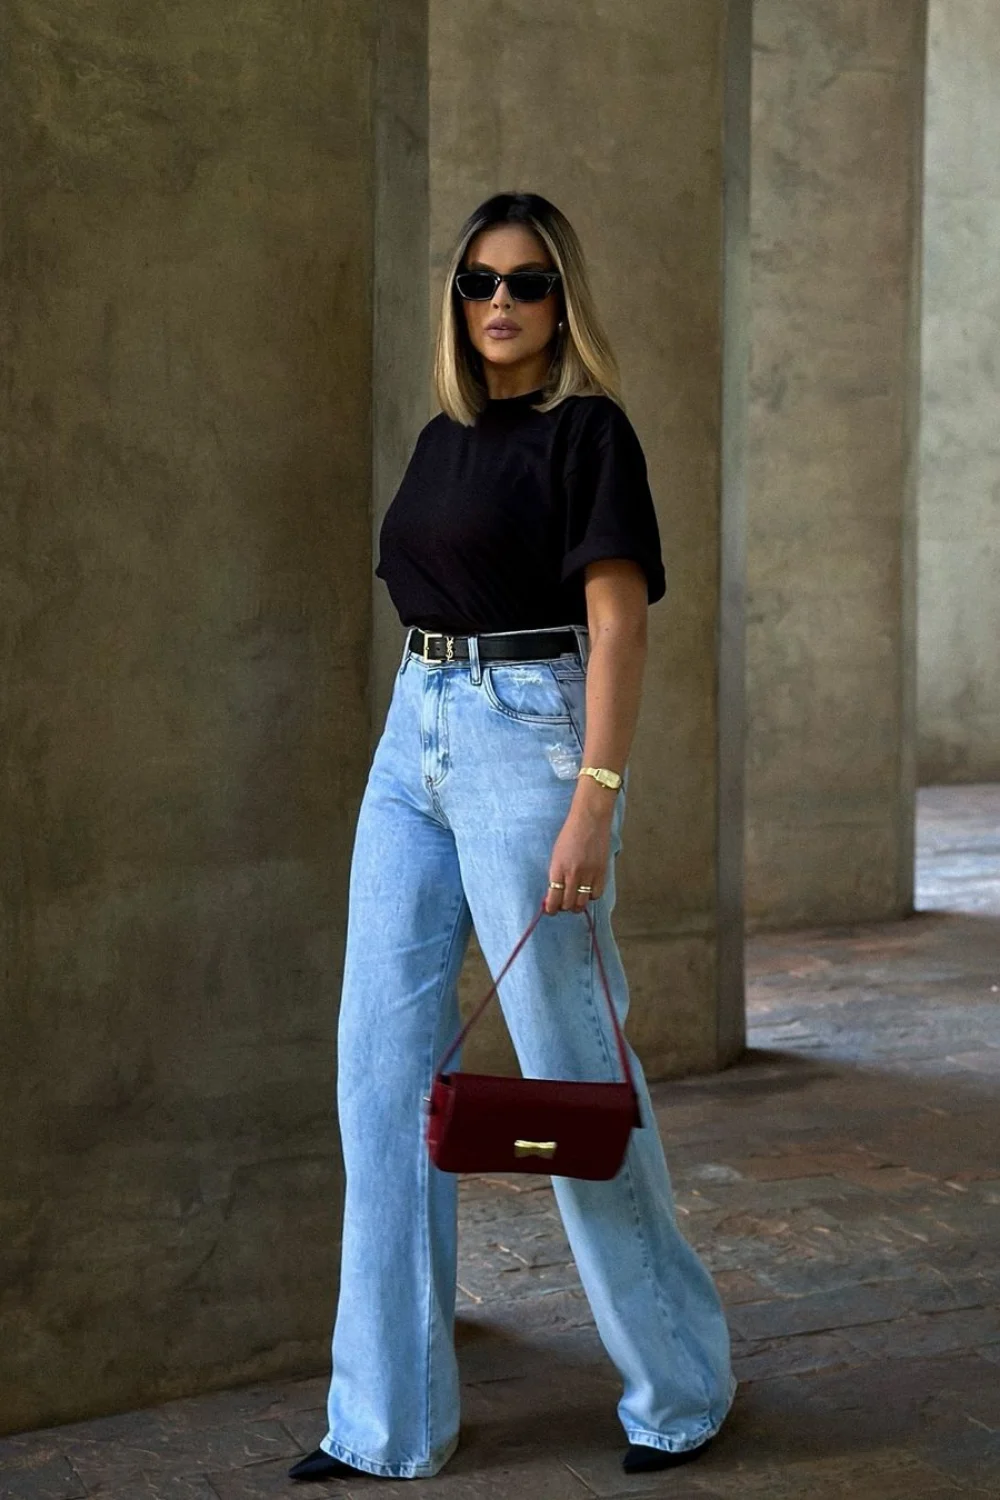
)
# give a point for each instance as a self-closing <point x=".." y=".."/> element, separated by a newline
<point x="528" y="691"/>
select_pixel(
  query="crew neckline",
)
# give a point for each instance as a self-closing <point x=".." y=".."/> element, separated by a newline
<point x="524" y="396"/>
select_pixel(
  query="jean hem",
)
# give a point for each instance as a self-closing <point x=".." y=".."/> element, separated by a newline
<point x="673" y="1445"/>
<point x="405" y="1469"/>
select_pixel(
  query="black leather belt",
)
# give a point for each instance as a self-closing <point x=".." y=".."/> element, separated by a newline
<point x="434" y="645"/>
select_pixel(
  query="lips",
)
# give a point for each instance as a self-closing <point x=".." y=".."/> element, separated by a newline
<point x="499" y="325"/>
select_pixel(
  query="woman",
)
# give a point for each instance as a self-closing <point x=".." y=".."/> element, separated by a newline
<point x="522" y="550"/>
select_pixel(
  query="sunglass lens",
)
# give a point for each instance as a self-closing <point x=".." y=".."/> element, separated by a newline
<point x="528" y="286"/>
<point x="476" y="286"/>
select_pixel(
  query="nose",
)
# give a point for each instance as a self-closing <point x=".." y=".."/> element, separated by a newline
<point x="502" y="297"/>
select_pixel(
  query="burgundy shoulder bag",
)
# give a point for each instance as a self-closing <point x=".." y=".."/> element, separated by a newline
<point x="484" y="1122"/>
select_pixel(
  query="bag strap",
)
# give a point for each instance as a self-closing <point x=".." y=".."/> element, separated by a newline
<point x="619" y="1037"/>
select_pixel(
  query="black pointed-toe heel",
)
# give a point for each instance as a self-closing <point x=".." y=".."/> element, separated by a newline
<point x="642" y="1459"/>
<point x="319" y="1465"/>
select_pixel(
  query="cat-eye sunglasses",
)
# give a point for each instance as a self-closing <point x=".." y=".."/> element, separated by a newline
<point x="524" y="286"/>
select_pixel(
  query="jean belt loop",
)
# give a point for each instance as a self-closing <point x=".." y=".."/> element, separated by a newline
<point x="476" y="672"/>
<point x="582" y="643"/>
<point x="404" y="659"/>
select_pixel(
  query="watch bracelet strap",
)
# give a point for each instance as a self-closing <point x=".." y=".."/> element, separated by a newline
<point x="589" y="770"/>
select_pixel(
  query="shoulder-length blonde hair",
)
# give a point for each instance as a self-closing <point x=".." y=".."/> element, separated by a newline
<point x="583" y="363"/>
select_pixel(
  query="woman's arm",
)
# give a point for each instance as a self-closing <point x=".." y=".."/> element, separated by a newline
<point x="617" y="604"/>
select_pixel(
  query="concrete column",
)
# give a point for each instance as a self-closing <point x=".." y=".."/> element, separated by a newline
<point x="634" y="118"/>
<point x="185" y="279"/>
<point x="402" y="337"/>
<point x="959" y="569"/>
<point x="838" y="89"/>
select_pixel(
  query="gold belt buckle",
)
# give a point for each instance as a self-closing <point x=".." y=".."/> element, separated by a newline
<point x="431" y="635"/>
<point x="428" y="635"/>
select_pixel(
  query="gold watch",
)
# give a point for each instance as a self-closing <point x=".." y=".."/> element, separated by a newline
<point x="611" y="779"/>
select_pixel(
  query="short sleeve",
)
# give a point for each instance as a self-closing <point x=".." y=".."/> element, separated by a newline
<point x="609" y="507"/>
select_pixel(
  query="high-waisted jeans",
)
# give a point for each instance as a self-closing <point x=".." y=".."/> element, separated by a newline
<point x="468" y="789"/>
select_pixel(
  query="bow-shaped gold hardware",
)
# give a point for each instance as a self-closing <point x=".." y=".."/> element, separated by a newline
<point x="534" y="1148"/>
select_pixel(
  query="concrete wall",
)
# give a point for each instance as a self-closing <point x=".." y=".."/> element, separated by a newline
<point x="633" y="117"/>
<point x="402" y="328"/>
<point x="186" y="195"/>
<point x="836" y="189"/>
<point x="959" y="567"/>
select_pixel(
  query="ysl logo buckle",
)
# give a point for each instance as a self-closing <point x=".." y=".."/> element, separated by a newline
<point x="437" y="635"/>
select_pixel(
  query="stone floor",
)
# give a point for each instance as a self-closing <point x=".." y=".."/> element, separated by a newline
<point x="843" y="1183"/>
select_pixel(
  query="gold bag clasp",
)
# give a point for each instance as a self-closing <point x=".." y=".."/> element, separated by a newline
<point x="534" y="1148"/>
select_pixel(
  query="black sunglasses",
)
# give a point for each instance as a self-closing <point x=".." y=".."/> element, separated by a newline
<point x="524" y="286"/>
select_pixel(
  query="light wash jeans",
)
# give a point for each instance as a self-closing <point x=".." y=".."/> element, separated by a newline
<point x="468" y="789"/>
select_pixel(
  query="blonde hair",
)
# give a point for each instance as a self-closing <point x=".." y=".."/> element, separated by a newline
<point x="583" y="363"/>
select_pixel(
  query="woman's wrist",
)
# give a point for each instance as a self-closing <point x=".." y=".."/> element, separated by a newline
<point x="595" y="799"/>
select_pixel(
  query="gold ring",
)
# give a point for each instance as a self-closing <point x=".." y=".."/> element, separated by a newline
<point x="555" y="886"/>
<point x="585" y="887"/>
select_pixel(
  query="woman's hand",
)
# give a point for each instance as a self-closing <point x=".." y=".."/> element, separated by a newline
<point x="581" y="853"/>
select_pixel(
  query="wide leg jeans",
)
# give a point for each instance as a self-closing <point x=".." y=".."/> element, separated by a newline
<point x="468" y="789"/>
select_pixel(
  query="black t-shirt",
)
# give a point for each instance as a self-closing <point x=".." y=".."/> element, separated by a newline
<point x="492" y="524"/>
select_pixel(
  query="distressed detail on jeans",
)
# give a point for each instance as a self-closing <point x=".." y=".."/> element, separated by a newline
<point x="564" y="759"/>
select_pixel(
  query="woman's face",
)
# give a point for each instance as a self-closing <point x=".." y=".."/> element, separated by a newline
<point x="531" y="325"/>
